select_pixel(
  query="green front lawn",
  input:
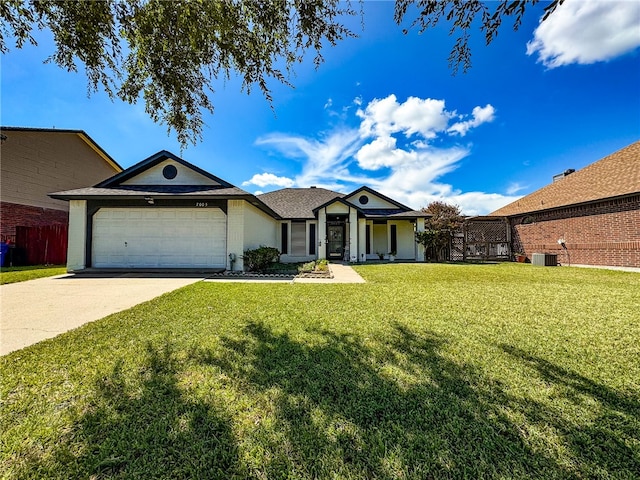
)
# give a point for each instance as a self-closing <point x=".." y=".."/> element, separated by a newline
<point x="426" y="371"/>
<point x="22" y="274"/>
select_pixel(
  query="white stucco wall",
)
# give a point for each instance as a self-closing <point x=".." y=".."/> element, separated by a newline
<point x="337" y="208"/>
<point x="406" y="239"/>
<point x="380" y="240"/>
<point x="248" y="228"/>
<point x="374" y="201"/>
<point x="185" y="176"/>
<point x="259" y="228"/>
<point x="76" y="251"/>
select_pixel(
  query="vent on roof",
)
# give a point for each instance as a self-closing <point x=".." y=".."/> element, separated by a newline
<point x="560" y="176"/>
<point x="312" y="186"/>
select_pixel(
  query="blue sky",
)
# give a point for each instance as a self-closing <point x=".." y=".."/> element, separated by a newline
<point x="384" y="110"/>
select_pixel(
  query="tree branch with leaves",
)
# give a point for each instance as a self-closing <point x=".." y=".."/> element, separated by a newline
<point x="463" y="15"/>
<point x="169" y="54"/>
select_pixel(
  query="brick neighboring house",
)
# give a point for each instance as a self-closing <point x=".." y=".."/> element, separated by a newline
<point x="596" y="211"/>
<point x="37" y="161"/>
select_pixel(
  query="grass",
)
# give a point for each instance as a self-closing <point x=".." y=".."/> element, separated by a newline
<point x="425" y="371"/>
<point x="22" y="274"/>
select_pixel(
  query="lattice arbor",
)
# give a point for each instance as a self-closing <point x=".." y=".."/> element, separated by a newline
<point x="481" y="239"/>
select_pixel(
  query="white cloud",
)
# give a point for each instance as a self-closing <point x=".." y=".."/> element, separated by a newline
<point x="325" y="160"/>
<point x="587" y="32"/>
<point x="480" y="115"/>
<point x="470" y="203"/>
<point x="386" y="116"/>
<point x="382" y="152"/>
<point x="406" y="147"/>
<point x="266" y="179"/>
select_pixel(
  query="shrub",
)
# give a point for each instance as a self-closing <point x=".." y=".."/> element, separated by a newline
<point x="259" y="259"/>
<point x="307" y="267"/>
<point x="322" y="265"/>
<point x="314" y="266"/>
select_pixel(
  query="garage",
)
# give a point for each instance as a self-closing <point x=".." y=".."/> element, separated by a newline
<point x="158" y="238"/>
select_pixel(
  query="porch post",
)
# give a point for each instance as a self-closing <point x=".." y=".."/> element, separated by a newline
<point x="362" y="240"/>
<point x="322" y="234"/>
<point x="354" y="243"/>
<point x="419" y="248"/>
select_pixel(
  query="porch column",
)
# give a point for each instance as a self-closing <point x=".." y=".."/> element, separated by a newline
<point x="322" y="234"/>
<point x="419" y="248"/>
<point x="354" y="244"/>
<point x="362" y="240"/>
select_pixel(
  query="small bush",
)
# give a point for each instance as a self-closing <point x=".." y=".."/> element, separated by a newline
<point x="260" y="259"/>
<point x="307" y="267"/>
<point x="314" y="266"/>
<point x="322" y="265"/>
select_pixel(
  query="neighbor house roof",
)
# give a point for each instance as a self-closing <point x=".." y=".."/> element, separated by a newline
<point x="80" y="133"/>
<point x="298" y="203"/>
<point x="613" y="176"/>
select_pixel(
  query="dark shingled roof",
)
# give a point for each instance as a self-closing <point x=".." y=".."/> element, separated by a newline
<point x="148" y="190"/>
<point x="613" y="176"/>
<point x="298" y="203"/>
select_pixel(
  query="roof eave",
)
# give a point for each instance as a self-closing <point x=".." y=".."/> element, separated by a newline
<point x="569" y="205"/>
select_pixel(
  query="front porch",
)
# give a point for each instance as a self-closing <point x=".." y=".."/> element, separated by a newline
<point x="353" y="236"/>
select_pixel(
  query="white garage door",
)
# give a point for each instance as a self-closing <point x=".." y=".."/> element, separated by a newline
<point x="159" y="238"/>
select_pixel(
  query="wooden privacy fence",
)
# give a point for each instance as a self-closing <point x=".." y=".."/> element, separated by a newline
<point x="43" y="245"/>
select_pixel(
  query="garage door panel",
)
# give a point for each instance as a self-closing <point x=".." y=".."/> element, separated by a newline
<point x="159" y="238"/>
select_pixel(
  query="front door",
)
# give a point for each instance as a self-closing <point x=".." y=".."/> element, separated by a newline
<point x="335" y="245"/>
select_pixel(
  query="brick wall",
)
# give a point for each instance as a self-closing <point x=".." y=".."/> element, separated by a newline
<point x="13" y="215"/>
<point x="604" y="233"/>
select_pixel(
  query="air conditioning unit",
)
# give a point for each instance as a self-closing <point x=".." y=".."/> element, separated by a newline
<point x="545" y="259"/>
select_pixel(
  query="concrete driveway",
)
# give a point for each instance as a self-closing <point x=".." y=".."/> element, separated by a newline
<point x="39" y="309"/>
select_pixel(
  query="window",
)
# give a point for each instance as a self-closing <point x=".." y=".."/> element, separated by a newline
<point x="298" y="234"/>
<point x="394" y="238"/>
<point x="284" y="240"/>
<point x="312" y="239"/>
<point x="368" y="240"/>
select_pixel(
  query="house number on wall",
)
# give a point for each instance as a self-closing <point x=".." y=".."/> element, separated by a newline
<point x="202" y="204"/>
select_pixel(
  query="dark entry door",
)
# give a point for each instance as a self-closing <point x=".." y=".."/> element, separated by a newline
<point x="335" y="246"/>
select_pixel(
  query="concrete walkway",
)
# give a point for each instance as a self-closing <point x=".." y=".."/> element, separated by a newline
<point x="39" y="309"/>
<point x="341" y="273"/>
